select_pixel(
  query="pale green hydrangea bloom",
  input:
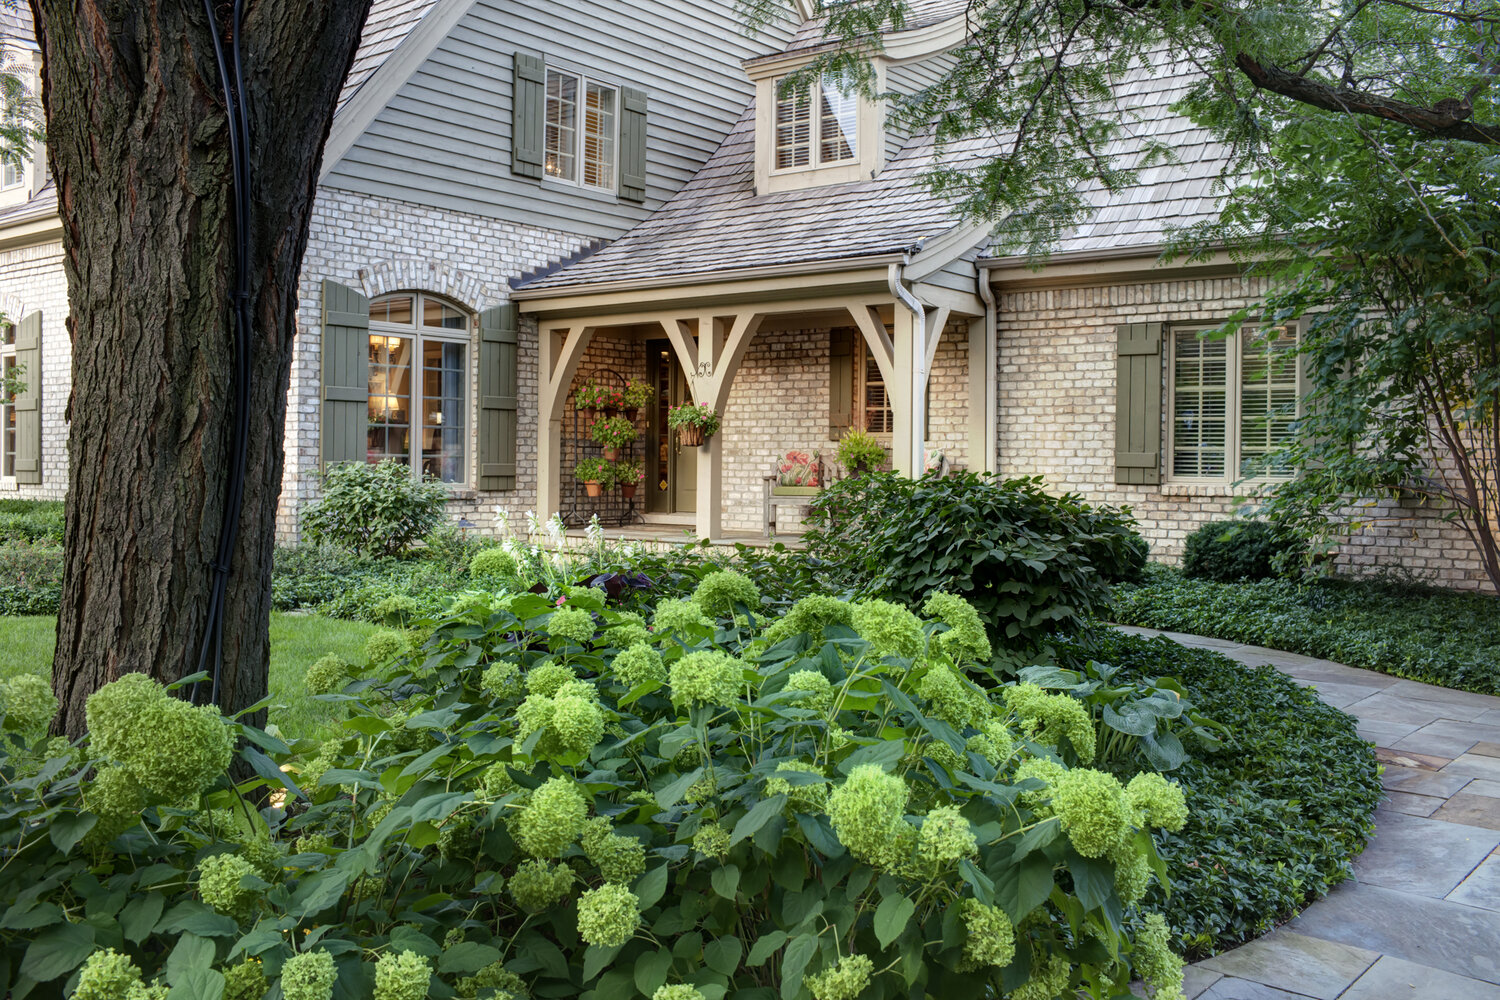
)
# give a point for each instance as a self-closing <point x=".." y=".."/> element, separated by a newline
<point x="619" y="858"/>
<point x="309" y="976"/>
<point x="117" y="799"/>
<point x="327" y="676"/>
<point x="552" y="820"/>
<point x="571" y="625"/>
<point x="1047" y="982"/>
<point x="1093" y="809"/>
<point x="109" y="975"/>
<point x="501" y="680"/>
<point x="707" y="677"/>
<point x="627" y="635"/>
<point x="493" y="564"/>
<point x="570" y="724"/>
<point x="608" y="915"/>
<point x="1042" y="769"/>
<point x="846" y="980"/>
<point x="539" y="885"/>
<point x="1155" y="961"/>
<point x="28" y="704"/>
<point x="506" y="984"/>
<point x="172" y="749"/>
<point x="989" y="938"/>
<point x="397" y="609"/>
<point x="890" y="629"/>
<point x="245" y="981"/>
<point x="943" y="755"/>
<point x="677" y="615"/>
<point x="945" y="839"/>
<point x="1132" y="873"/>
<point x="678" y="991"/>
<point x="313" y="770"/>
<point x="639" y="664"/>
<point x="718" y="593"/>
<point x="584" y="596"/>
<point x="810" y="616"/>
<point x="868" y="812"/>
<point x="965" y="641"/>
<point x="404" y="976"/>
<point x="954" y="698"/>
<point x="495" y="782"/>
<point x="712" y="841"/>
<point x="219" y="884"/>
<point x="808" y="798"/>
<point x="472" y="607"/>
<point x="816" y="689"/>
<point x="386" y="645"/>
<point x="313" y="843"/>
<point x="1160" y="801"/>
<point x="994" y="742"/>
<point x="1048" y="718"/>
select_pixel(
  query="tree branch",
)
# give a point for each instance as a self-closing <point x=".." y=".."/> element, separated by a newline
<point x="1433" y="123"/>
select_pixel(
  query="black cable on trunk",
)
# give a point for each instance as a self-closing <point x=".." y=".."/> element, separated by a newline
<point x="231" y="76"/>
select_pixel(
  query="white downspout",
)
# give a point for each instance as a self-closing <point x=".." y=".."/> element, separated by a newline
<point x="991" y="372"/>
<point x="918" y="375"/>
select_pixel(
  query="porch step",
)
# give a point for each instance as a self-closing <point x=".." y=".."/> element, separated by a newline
<point x="683" y="519"/>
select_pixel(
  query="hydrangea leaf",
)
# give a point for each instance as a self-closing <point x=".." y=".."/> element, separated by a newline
<point x="794" y="963"/>
<point x="765" y="946"/>
<point x="57" y="951"/>
<point x="758" y="816"/>
<point x="650" y="887"/>
<point x="468" y="957"/>
<point x="891" y="918"/>
<point x="726" y="881"/>
<point x="651" y="971"/>
<point x="723" y="954"/>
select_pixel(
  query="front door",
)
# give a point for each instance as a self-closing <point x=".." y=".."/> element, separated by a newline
<point x="672" y="472"/>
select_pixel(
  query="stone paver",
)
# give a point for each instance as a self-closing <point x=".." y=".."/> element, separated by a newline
<point x="1421" y="918"/>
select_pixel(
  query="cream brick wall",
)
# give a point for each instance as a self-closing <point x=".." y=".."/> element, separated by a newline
<point x="377" y="245"/>
<point x="1056" y="385"/>
<point x="31" y="279"/>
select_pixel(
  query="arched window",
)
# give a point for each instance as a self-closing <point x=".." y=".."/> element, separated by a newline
<point x="419" y="384"/>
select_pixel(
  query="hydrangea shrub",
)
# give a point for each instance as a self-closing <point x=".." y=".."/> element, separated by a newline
<point x="820" y="807"/>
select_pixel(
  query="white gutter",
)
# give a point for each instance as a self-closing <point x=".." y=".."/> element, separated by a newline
<point x="918" y="366"/>
<point x="991" y="367"/>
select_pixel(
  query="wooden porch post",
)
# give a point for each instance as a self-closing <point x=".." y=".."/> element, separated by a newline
<point x="560" y="353"/>
<point x="710" y="514"/>
<point x="905" y="396"/>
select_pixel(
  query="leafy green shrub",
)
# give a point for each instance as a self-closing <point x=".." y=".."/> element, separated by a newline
<point x="31" y="521"/>
<point x="1439" y="636"/>
<point x="1239" y="550"/>
<point x="511" y="808"/>
<point x="860" y="452"/>
<point x="377" y="510"/>
<point x="1276" y="816"/>
<point x="1031" y="563"/>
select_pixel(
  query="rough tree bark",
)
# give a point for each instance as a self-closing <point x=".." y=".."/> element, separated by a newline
<point x="138" y="144"/>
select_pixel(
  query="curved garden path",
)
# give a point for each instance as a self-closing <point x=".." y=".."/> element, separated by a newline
<point x="1420" y="920"/>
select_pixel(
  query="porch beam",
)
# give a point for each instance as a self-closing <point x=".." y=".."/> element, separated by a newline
<point x="937" y="319"/>
<point x="557" y="364"/>
<point x="877" y="339"/>
<point x="684" y="346"/>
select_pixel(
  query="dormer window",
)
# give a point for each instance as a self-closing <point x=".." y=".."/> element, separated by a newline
<point x="11" y="175"/>
<point x="816" y="133"/>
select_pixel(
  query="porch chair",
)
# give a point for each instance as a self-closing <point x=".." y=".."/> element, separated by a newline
<point x="793" y="481"/>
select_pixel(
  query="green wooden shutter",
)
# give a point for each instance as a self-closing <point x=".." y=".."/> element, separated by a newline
<point x="346" y="373"/>
<point x="840" y="382"/>
<point x="528" y="112"/>
<point x="28" y="404"/>
<point x="498" y="389"/>
<point x="1138" y="405"/>
<point x="632" y="144"/>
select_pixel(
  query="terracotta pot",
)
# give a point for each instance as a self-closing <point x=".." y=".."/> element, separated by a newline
<point x="593" y="488"/>
<point x="691" y="435"/>
<point x="589" y="413"/>
<point x="627" y="490"/>
<point x="631" y="413"/>
<point x="610" y="411"/>
<point x="611" y="454"/>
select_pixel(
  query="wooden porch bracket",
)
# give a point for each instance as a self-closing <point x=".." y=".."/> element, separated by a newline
<point x="558" y="359"/>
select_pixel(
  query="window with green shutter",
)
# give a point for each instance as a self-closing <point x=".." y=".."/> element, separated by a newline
<point x="24" y="419"/>
<point x="346" y="373"/>
<point x="499" y="387"/>
<point x="528" y="110"/>
<point x="1138" y="404"/>
<point x="633" y="144"/>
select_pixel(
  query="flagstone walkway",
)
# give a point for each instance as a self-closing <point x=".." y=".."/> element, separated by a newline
<point x="1420" y="920"/>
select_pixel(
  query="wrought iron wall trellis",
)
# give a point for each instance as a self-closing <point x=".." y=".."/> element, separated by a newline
<point x="612" y="507"/>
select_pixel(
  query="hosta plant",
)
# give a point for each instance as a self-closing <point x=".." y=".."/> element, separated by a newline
<point x="554" y="799"/>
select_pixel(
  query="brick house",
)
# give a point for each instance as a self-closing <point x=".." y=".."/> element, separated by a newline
<point x="523" y="198"/>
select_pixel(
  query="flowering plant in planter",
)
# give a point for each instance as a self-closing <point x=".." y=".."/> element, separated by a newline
<point x="695" y="421"/>
<point x="597" y="397"/>
<point x="637" y="395"/>
<point x="612" y="433"/>
<point x="596" y="474"/>
<point x="629" y="476"/>
<point x="860" y="452"/>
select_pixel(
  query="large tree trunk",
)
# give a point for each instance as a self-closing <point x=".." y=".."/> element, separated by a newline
<point x="139" y="147"/>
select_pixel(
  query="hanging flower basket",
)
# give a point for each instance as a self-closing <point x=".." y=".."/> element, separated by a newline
<point x="693" y="422"/>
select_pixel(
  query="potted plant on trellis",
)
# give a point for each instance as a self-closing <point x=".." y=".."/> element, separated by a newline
<point x="629" y="476"/>
<point x="694" y="423"/>
<point x="636" y="396"/>
<point x="587" y="399"/>
<point x="612" y="434"/>
<point x="596" y="475"/>
<point x="859" y="453"/>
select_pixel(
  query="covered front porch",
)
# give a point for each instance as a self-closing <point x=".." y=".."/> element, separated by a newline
<point x="789" y="363"/>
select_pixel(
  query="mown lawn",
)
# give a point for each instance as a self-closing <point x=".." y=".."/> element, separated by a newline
<point x="296" y="642"/>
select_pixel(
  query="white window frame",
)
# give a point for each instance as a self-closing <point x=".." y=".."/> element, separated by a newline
<point x="420" y="335"/>
<point x="20" y="176"/>
<point x="1233" y="397"/>
<point x="579" y="133"/>
<point x="815" y="159"/>
<point x="863" y="362"/>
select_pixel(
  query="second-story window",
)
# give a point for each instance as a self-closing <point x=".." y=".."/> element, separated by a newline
<point x="11" y="175"/>
<point x="817" y="133"/>
<point x="581" y="130"/>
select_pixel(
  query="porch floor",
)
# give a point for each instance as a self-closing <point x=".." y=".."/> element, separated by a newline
<point x="667" y="534"/>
